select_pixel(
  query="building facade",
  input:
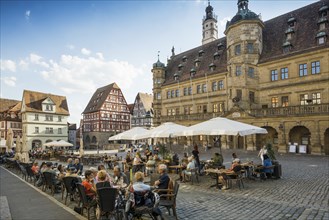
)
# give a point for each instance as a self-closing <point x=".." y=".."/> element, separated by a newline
<point x="106" y="114"/>
<point x="10" y="117"/>
<point x="271" y="74"/>
<point x="44" y="118"/>
<point x="72" y="134"/>
<point x="142" y="111"/>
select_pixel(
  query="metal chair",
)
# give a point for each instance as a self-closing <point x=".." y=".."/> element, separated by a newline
<point x="49" y="184"/>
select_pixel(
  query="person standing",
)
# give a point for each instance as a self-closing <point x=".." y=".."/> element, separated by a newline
<point x="195" y="153"/>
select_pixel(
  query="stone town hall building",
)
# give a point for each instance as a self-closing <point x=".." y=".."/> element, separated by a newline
<point x="273" y="74"/>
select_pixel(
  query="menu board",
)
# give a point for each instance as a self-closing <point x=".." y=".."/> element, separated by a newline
<point x="302" y="149"/>
<point x="292" y="149"/>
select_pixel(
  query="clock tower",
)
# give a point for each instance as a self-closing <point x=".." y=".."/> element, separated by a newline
<point x="209" y="26"/>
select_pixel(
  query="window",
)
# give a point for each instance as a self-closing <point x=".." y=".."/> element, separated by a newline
<point x="275" y="102"/>
<point x="252" y="97"/>
<point x="172" y="93"/>
<point x="284" y="101"/>
<point x="303" y="69"/>
<point x="49" y="107"/>
<point x="177" y="111"/>
<point x="168" y="95"/>
<point x="59" y="118"/>
<point x="177" y="92"/>
<point x="239" y="94"/>
<point x="60" y="130"/>
<point x="214" y="86"/>
<point x="204" y="88"/>
<point x="315" y="67"/>
<point x="204" y="108"/>
<point x="237" y="49"/>
<point x="36" y="130"/>
<point x="284" y="73"/>
<point x="316" y="98"/>
<point x="187" y="110"/>
<point x="185" y="91"/>
<point x="36" y="117"/>
<point x="220" y="85"/>
<point x="238" y="71"/>
<point x="304" y="99"/>
<point x="190" y="90"/>
<point x="250" y="47"/>
<point x="158" y="96"/>
<point x="215" y="107"/>
<point x="251" y="72"/>
<point x="274" y="75"/>
<point x="198" y="89"/>
<point x="321" y="40"/>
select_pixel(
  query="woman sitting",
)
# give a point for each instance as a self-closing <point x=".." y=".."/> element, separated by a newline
<point x="235" y="168"/>
<point x="102" y="177"/>
<point x="137" y="163"/>
<point x="61" y="172"/>
<point x="189" y="169"/>
<point x="89" y="185"/>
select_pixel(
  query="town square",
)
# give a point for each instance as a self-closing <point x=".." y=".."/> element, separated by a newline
<point x="164" y="110"/>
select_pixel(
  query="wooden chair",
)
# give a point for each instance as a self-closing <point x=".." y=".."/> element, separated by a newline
<point x="194" y="174"/>
<point x="238" y="178"/>
<point x="85" y="204"/>
<point x="169" y="200"/>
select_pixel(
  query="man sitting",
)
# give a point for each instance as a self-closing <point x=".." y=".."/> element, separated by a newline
<point x="78" y="166"/>
<point x="189" y="168"/>
<point x="164" y="179"/>
<point x="235" y="168"/>
<point x="119" y="177"/>
<point x="218" y="160"/>
<point x="268" y="166"/>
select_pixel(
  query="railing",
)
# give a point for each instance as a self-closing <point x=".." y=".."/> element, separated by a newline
<point x="192" y="117"/>
<point x="316" y="109"/>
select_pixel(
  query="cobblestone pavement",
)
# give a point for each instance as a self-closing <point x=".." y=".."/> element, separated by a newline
<point x="301" y="193"/>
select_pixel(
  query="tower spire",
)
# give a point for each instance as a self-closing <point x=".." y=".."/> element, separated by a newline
<point x="209" y="25"/>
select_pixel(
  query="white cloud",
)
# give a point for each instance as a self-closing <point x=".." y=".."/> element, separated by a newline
<point x="10" y="81"/>
<point x="23" y="65"/>
<point x="27" y="14"/>
<point x="38" y="60"/>
<point x="223" y="21"/>
<point x="8" y="65"/>
<point x="100" y="55"/>
<point x="85" y="51"/>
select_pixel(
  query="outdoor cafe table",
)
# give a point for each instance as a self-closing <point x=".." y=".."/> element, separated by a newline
<point x="218" y="173"/>
<point x="179" y="169"/>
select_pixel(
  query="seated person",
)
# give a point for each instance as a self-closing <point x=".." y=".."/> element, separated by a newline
<point x="108" y="177"/>
<point x="94" y="171"/>
<point x="89" y="185"/>
<point x="150" y="165"/>
<point x="35" y="168"/>
<point x="234" y="156"/>
<point x="71" y="172"/>
<point x="137" y="163"/>
<point x="61" y="172"/>
<point x="267" y="163"/>
<point x="175" y="159"/>
<point x="190" y="166"/>
<point x="139" y="185"/>
<point x="119" y="177"/>
<point x="163" y="181"/>
<point x="78" y="166"/>
<point x="54" y="180"/>
<point x="235" y="168"/>
<point x="156" y="158"/>
<point x="218" y="160"/>
<point x="102" y="180"/>
<point x="69" y="163"/>
<point x="184" y="160"/>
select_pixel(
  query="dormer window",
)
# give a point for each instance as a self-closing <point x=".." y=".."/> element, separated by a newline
<point x="49" y="107"/>
<point x="197" y="62"/>
<point x="321" y="37"/>
<point x="291" y="22"/>
<point x="192" y="73"/>
<point x="216" y="56"/>
<point x="323" y="11"/>
<point x="212" y="67"/>
<point x="220" y="46"/>
<point x="201" y="52"/>
<point x="180" y="66"/>
<point x="184" y="59"/>
<point x="286" y="46"/>
<point x="176" y="76"/>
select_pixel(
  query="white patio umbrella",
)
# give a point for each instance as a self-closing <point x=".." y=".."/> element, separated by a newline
<point x="221" y="126"/>
<point x="60" y="143"/>
<point x="49" y="144"/>
<point x="164" y="130"/>
<point x="132" y="134"/>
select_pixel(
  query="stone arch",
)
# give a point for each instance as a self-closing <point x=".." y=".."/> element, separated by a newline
<point x="271" y="137"/>
<point x="326" y="142"/>
<point x="301" y="135"/>
<point x="87" y="139"/>
<point x="94" y="140"/>
<point x="36" y="143"/>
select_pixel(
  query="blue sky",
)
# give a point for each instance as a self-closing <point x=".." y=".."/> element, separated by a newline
<point x="73" y="47"/>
